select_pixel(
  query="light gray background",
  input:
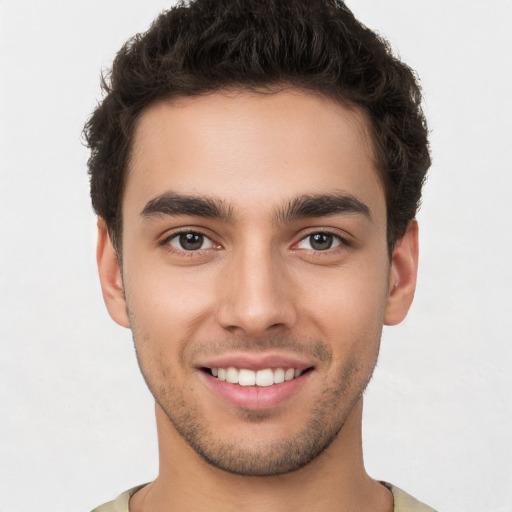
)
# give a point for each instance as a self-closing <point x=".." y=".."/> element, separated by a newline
<point x="76" y="421"/>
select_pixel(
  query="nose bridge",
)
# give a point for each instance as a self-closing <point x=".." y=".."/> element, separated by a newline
<point x="255" y="294"/>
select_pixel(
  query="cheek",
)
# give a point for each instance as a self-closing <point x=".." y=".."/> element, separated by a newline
<point x="349" y="302"/>
<point x="168" y="307"/>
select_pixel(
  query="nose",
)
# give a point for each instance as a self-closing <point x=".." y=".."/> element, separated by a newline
<point x="256" y="294"/>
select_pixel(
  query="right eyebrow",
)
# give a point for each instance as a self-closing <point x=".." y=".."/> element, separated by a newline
<point x="174" y="204"/>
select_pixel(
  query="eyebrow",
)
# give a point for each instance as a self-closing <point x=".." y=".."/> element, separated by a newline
<point x="303" y="206"/>
<point x="171" y="203"/>
<point x="322" y="205"/>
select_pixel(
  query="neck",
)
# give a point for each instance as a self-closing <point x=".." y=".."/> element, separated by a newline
<point x="335" y="480"/>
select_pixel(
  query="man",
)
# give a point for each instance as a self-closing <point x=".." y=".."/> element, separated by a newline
<point x="256" y="169"/>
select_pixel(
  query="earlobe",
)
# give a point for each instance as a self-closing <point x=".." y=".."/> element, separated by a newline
<point x="110" y="277"/>
<point x="402" y="276"/>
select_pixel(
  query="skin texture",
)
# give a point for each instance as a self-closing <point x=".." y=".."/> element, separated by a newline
<point x="257" y="287"/>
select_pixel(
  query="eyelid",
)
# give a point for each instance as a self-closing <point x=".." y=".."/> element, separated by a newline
<point x="176" y="238"/>
<point x="343" y="238"/>
<point x="337" y="241"/>
<point x="174" y="234"/>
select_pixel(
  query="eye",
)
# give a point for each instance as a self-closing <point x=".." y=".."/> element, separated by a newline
<point x="319" y="242"/>
<point x="190" y="241"/>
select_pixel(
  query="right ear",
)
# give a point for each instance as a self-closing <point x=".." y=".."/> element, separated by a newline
<point x="110" y="277"/>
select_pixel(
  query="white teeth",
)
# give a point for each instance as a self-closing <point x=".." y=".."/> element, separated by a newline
<point x="278" y="376"/>
<point x="246" y="378"/>
<point x="232" y="375"/>
<point x="265" y="377"/>
<point x="262" y="378"/>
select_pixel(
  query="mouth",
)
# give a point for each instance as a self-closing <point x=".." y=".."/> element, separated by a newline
<point x="259" y="378"/>
<point x="255" y="381"/>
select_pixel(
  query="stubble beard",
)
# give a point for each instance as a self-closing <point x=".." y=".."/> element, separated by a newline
<point x="324" y="422"/>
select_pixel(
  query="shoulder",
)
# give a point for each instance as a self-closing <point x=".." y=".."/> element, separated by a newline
<point x="405" y="502"/>
<point x="121" y="503"/>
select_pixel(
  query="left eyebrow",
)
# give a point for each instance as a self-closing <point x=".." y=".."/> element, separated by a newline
<point x="321" y="205"/>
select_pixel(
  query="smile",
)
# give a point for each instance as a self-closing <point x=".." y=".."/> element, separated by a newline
<point x="261" y="378"/>
<point x="256" y="382"/>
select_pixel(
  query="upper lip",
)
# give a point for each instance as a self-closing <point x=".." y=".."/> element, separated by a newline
<point x="255" y="361"/>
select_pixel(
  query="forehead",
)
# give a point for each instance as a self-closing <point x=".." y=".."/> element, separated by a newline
<point x="252" y="150"/>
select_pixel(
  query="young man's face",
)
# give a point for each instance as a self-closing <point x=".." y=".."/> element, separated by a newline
<point x="254" y="246"/>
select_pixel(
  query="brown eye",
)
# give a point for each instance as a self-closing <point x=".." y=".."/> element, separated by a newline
<point x="190" y="241"/>
<point x="319" y="242"/>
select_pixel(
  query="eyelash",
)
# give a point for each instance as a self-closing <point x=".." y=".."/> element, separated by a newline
<point x="341" y="243"/>
<point x="166" y="242"/>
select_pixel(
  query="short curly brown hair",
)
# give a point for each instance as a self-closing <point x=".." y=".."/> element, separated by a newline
<point x="203" y="46"/>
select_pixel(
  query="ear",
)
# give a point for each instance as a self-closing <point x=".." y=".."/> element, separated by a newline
<point x="402" y="275"/>
<point x="110" y="277"/>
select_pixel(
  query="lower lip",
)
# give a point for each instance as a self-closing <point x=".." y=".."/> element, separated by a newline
<point x="256" y="398"/>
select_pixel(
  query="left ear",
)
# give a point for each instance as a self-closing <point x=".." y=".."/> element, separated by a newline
<point x="402" y="275"/>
